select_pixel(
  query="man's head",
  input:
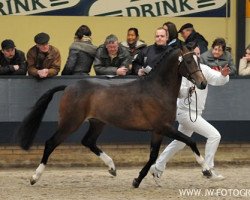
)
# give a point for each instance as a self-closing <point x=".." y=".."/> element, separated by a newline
<point x="186" y="30"/>
<point x="111" y="44"/>
<point x="42" y="42"/>
<point x="8" y="48"/>
<point x="161" y="36"/>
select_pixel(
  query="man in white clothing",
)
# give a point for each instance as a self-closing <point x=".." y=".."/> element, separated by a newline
<point x="200" y="125"/>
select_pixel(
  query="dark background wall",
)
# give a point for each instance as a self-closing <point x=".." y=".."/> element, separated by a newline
<point x="227" y="109"/>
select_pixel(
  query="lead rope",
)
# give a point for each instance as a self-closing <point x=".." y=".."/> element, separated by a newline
<point x="189" y="104"/>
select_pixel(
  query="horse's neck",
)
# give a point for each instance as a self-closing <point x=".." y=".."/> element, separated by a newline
<point x="168" y="77"/>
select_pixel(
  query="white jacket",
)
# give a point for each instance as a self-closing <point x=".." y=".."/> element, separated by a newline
<point x="213" y="77"/>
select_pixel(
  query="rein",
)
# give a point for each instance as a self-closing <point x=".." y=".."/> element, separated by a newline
<point x="189" y="104"/>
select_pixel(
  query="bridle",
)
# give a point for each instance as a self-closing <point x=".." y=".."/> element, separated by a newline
<point x="189" y="77"/>
<point x="188" y="74"/>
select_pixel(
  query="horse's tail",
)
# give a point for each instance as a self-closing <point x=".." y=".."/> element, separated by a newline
<point x="29" y="126"/>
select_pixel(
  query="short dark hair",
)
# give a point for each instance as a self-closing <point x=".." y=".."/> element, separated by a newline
<point x="83" y="30"/>
<point x="135" y="31"/>
<point x="219" y="42"/>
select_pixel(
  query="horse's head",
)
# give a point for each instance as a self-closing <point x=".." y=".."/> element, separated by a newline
<point x="189" y="67"/>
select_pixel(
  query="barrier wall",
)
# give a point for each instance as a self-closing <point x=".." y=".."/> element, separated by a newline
<point x="227" y="108"/>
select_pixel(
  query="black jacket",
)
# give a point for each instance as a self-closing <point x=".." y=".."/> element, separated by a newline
<point x="199" y="39"/>
<point x="148" y="56"/>
<point x="80" y="58"/>
<point x="7" y="65"/>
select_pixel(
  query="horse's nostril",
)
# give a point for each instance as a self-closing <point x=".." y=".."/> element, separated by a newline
<point x="203" y="85"/>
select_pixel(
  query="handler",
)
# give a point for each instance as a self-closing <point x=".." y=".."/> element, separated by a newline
<point x="188" y="124"/>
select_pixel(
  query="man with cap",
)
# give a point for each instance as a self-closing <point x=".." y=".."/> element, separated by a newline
<point x="44" y="60"/>
<point x="12" y="61"/>
<point x="189" y="34"/>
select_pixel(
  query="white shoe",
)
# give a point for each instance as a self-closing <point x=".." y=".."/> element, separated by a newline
<point x="214" y="176"/>
<point x="156" y="174"/>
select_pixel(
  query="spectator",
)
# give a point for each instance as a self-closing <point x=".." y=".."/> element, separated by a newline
<point x="112" y="58"/>
<point x="218" y="57"/>
<point x="148" y="57"/>
<point x="244" y="67"/>
<point x="81" y="53"/>
<point x="133" y="43"/>
<point x="173" y="40"/>
<point x="189" y="34"/>
<point x="12" y="61"/>
<point x="43" y="59"/>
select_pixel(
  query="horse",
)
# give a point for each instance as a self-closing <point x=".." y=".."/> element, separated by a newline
<point x="145" y="104"/>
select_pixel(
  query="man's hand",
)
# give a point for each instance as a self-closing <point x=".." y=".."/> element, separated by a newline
<point x="43" y="73"/>
<point x="122" y="71"/>
<point x="225" y="70"/>
<point x="141" y="72"/>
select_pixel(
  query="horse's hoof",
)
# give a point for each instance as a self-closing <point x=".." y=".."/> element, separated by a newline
<point x="136" y="183"/>
<point x="207" y="173"/>
<point x="32" y="181"/>
<point x="112" y="172"/>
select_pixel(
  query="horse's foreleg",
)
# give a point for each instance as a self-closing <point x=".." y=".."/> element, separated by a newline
<point x="154" y="151"/>
<point x="188" y="141"/>
<point x="89" y="140"/>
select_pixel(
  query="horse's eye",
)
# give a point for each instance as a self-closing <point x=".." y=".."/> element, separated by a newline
<point x="188" y="61"/>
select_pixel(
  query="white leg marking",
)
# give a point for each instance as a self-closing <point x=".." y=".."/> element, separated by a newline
<point x="38" y="173"/>
<point x="107" y="160"/>
<point x="202" y="162"/>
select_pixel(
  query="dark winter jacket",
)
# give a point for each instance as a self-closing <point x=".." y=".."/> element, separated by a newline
<point x="7" y="65"/>
<point x="80" y="59"/>
<point x="103" y="64"/>
<point x="199" y="39"/>
<point x="148" y="57"/>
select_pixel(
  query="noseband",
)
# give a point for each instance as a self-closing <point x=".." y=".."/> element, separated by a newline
<point x="182" y="59"/>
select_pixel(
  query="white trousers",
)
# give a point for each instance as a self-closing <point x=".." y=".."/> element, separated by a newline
<point x="187" y="127"/>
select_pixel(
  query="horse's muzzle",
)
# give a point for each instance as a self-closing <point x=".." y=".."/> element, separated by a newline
<point x="203" y="85"/>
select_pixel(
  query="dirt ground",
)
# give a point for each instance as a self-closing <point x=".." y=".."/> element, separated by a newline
<point x="96" y="183"/>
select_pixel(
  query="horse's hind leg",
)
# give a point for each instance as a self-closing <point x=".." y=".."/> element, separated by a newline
<point x="65" y="128"/>
<point x="154" y="151"/>
<point x="89" y="140"/>
<point x="177" y="135"/>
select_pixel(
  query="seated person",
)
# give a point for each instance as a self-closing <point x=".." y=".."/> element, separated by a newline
<point x="218" y="57"/>
<point x="12" y="61"/>
<point x="148" y="57"/>
<point x="112" y="58"/>
<point x="44" y="60"/>
<point x="81" y="53"/>
<point x="133" y="43"/>
<point x="244" y="66"/>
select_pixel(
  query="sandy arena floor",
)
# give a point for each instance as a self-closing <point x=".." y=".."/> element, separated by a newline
<point x="96" y="183"/>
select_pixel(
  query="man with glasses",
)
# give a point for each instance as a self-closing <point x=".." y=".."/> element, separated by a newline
<point x="44" y="60"/>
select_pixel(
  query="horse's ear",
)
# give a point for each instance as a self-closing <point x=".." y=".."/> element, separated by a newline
<point x="191" y="45"/>
<point x="184" y="49"/>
